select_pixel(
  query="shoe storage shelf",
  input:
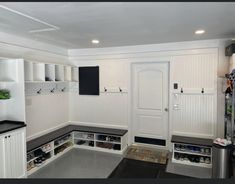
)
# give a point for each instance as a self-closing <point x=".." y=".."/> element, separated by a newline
<point x="192" y="151"/>
<point x="46" y="153"/>
<point x="41" y="156"/>
<point x="44" y="72"/>
<point x="100" y="142"/>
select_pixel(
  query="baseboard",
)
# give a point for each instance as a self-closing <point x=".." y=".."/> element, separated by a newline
<point x="46" y="131"/>
<point x="97" y="125"/>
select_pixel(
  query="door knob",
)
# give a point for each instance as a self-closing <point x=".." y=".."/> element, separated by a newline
<point x="166" y="109"/>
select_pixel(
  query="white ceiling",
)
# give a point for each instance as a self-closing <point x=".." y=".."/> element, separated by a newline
<point x="117" y="23"/>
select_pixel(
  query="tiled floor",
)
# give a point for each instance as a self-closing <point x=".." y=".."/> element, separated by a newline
<point x="79" y="163"/>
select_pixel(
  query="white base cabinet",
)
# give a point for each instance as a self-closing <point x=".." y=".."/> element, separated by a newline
<point x="13" y="154"/>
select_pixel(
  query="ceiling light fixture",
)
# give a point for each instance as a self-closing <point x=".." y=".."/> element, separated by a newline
<point x="200" y="31"/>
<point x="95" y="41"/>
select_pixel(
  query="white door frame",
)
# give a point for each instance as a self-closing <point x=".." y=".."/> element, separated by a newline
<point x="131" y="133"/>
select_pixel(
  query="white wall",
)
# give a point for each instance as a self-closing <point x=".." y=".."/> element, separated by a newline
<point x="45" y="113"/>
<point x="115" y="64"/>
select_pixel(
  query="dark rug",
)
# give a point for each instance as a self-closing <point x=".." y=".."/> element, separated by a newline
<point x="129" y="168"/>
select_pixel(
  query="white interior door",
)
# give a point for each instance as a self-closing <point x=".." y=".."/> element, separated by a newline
<point x="150" y="101"/>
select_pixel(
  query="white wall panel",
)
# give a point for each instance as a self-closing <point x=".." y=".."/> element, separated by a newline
<point x="195" y="115"/>
<point x="46" y="112"/>
<point x="195" y="71"/>
<point x="107" y="109"/>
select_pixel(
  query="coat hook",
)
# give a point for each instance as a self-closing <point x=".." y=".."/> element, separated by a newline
<point x="202" y="90"/>
<point x="39" y="91"/>
<point x="63" y="89"/>
<point x="52" y="91"/>
<point x="105" y="90"/>
<point x="181" y="90"/>
<point x="120" y="89"/>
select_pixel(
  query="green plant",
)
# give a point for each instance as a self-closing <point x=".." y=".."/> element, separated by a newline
<point x="4" y="94"/>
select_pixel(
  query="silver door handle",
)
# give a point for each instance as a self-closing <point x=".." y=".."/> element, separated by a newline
<point x="166" y="109"/>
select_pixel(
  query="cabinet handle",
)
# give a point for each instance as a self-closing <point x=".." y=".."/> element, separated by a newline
<point x="5" y="137"/>
<point x="9" y="136"/>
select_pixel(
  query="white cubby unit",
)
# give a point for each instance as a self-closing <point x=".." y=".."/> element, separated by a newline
<point x="38" y="71"/>
<point x="28" y="71"/>
<point x="8" y="71"/>
<point x="49" y="72"/>
<point x="48" y="152"/>
<point x="43" y="72"/>
<point x="100" y="142"/>
<point x="192" y="151"/>
<point x="67" y="73"/>
<point x="74" y="74"/>
<point x="44" y="153"/>
<point x="59" y="73"/>
<point x="12" y="80"/>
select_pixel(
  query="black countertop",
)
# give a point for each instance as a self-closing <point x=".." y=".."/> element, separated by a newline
<point x="192" y="140"/>
<point x="7" y="125"/>
<point x="35" y="143"/>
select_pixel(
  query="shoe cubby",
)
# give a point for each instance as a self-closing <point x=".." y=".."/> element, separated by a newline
<point x="60" y="149"/>
<point x="197" y="154"/>
<point x="108" y="138"/>
<point x="63" y="140"/>
<point x="39" y="157"/>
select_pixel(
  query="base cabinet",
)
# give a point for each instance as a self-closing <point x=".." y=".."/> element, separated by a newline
<point x="13" y="154"/>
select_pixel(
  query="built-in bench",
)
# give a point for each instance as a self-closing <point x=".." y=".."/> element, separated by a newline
<point x="192" y="151"/>
<point x="52" y="145"/>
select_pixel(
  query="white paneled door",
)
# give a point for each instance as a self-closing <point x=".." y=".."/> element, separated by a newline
<point x="150" y="100"/>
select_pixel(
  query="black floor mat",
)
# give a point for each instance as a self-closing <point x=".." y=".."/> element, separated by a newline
<point x="129" y="168"/>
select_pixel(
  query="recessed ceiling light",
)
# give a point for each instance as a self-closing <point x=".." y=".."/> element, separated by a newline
<point x="200" y="31"/>
<point x="95" y="41"/>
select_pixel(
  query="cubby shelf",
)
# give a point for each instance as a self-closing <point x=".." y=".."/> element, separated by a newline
<point x="47" y="72"/>
<point x="88" y="140"/>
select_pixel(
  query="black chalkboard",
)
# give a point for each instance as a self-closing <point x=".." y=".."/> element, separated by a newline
<point x="89" y="80"/>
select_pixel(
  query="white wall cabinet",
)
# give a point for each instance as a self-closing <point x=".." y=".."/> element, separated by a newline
<point x="13" y="154"/>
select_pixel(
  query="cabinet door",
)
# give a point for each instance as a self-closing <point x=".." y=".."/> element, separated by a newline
<point x="2" y="155"/>
<point x="16" y="154"/>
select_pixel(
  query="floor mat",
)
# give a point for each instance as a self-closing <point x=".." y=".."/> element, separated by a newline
<point x="147" y="154"/>
<point x="129" y="168"/>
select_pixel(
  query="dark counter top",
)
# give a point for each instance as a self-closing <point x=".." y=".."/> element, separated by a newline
<point x="35" y="143"/>
<point x="7" y="125"/>
<point x="191" y="140"/>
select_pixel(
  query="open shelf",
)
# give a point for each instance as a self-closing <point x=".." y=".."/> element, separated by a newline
<point x="49" y="72"/>
<point x="67" y="73"/>
<point x="59" y="73"/>
<point x="8" y="71"/>
<point x="74" y="74"/>
<point x="38" y="71"/>
<point x="28" y="68"/>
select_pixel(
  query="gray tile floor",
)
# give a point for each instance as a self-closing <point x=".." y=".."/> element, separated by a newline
<point x="79" y="163"/>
